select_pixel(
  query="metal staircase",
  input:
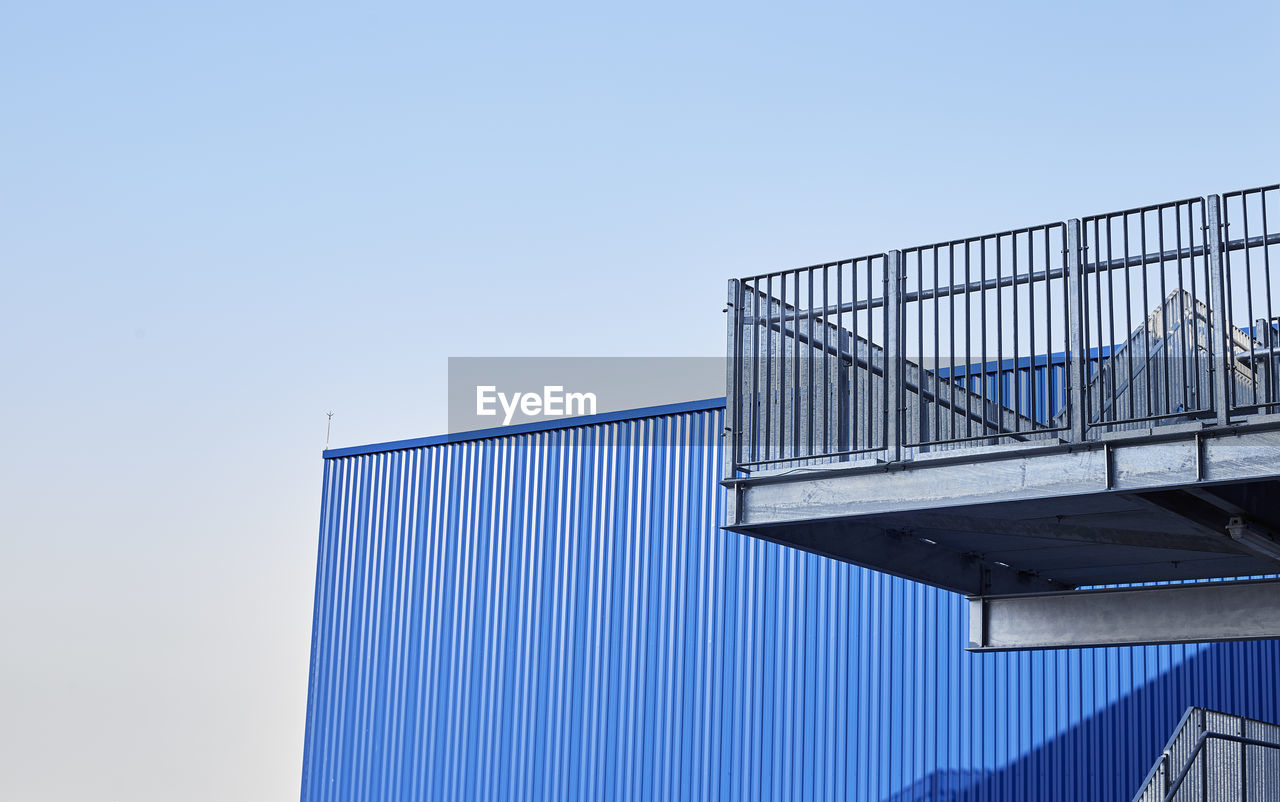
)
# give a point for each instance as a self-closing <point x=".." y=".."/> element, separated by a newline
<point x="1216" y="757"/>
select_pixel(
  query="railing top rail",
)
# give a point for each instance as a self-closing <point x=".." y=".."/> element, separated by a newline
<point x="1111" y="215"/>
<point x="1150" y="207"/>
<point x="1009" y="279"/>
<point x="998" y="235"/>
<point x="1250" y="191"/>
<point x="819" y="266"/>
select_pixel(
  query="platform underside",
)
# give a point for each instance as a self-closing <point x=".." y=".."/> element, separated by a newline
<point x="1141" y="508"/>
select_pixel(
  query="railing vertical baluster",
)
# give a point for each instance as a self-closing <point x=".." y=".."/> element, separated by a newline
<point x="855" y="425"/>
<point x="869" y="402"/>
<point x="1114" y="405"/>
<point x="1266" y="274"/>
<point x="954" y="426"/>
<point x="1148" y="376"/>
<point x="1031" y="329"/>
<point x="770" y="437"/>
<point x="796" y="391"/>
<point x="807" y="406"/>
<point x="1198" y="394"/>
<point x="1017" y="351"/>
<point x="1002" y="394"/>
<point x="937" y="350"/>
<point x="826" y="361"/>
<point x="1075" y="288"/>
<point x="783" y="426"/>
<point x="757" y="331"/>
<point x="983" y="387"/>
<point x="893" y="355"/>
<point x="844" y="393"/>
<point x="1248" y="280"/>
<point x="968" y="347"/>
<point x="1220" y="358"/>
<point x="1166" y="334"/>
<point x="1129" y="345"/>
<point x="1186" y="342"/>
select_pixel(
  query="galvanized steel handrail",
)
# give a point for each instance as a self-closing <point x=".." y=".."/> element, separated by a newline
<point x="1139" y="260"/>
<point x="833" y="360"/>
<point x="1203" y="725"/>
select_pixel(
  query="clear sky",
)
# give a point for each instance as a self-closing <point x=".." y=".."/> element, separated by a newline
<point x="220" y="220"/>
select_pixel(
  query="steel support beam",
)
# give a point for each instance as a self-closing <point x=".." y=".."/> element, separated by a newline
<point x="1187" y="613"/>
<point x="931" y="524"/>
<point x="1163" y="458"/>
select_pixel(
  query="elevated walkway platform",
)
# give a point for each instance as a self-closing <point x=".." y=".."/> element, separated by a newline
<point x="1033" y="411"/>
<point x="1147" y="505"/>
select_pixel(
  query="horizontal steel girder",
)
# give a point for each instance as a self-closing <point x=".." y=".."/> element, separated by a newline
<point x="1185" y="613"/>
<point x="1148" y="460"/>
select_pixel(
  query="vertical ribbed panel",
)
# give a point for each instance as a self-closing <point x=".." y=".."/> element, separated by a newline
<point x="556" y="615"/>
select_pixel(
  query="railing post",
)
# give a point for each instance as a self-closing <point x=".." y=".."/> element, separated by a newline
<point x="1220" y="358"/>
<point x="893" y="308"/>
<point x="733" y="381"/>
<point x="1244" y="762"/>
<point x="1078" y="368"/>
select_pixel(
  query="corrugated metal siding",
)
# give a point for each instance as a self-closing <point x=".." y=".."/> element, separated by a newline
<point x="556" y="615"/>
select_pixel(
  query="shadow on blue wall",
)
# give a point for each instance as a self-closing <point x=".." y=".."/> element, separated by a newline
<point x="1087" y="761"/>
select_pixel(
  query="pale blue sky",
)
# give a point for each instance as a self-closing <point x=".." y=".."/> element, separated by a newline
<point x="222" y="220"/>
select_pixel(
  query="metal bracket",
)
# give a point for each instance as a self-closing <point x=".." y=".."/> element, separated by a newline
<point x="1108" y="469"/>
<point x="1199" y="446"/>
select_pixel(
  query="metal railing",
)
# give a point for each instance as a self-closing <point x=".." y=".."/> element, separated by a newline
<point x="1062" y="331"/>
<point x="1216" y="756"/>
<point x="989" y="296"/>
<point x="1160" y="362"/>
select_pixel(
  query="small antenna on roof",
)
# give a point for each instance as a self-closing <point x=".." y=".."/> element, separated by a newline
<point x="328" y="428"/>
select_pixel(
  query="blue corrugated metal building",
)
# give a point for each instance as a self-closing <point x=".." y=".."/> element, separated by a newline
<point x="551" y="612"/>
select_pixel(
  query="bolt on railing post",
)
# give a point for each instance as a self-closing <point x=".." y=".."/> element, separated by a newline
<point x="1079" y="359"/>
<point x="1220" y="357"/>
<point x="894" y="357"/>
<point x="733" y="381"/>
